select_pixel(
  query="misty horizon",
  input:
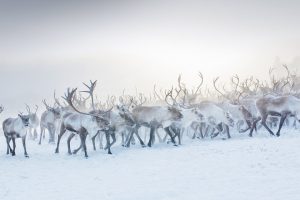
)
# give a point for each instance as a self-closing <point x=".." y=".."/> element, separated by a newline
<point x="131" y="45"/>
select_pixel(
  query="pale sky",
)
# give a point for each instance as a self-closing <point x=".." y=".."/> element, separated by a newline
<point x="47" y="45"/>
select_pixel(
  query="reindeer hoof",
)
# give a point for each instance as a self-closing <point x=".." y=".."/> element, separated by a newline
<point x="13" y="153"/>
<point x="26" y="156"/>
<point x="277" y="135"/>
<point x="143" y="146"/>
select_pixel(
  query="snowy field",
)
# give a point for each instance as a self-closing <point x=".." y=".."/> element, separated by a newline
<point x="256" y="168"/>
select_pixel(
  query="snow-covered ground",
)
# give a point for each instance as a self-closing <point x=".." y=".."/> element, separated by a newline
<point x="256" y="168"/>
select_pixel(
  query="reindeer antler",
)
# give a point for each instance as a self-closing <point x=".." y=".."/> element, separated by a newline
<point x="56" y="99"/>
<point x="28" y="108"/>
<point x="46" y="105"/>
<point x="91" y="91"/>
<point x="201" y="83"/>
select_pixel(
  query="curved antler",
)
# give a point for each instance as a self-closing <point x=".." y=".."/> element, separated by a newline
<point x="69" y="98"/>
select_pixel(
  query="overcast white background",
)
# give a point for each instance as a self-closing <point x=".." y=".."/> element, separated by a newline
<point x="47" y="45"/>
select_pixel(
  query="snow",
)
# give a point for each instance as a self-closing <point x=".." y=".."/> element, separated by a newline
<point x="262" y="167"/>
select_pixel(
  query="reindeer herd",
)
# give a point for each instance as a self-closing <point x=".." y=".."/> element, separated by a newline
<point x="168" y="115"/>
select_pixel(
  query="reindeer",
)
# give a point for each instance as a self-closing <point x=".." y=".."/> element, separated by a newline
<point x="49" y="120"/>
<point x="34" y="121"/>
<point x="216" y="117"/>
<point x="82" y="123"/>
<point x="16" y="128"/>
<point x="116" y="122"/>
<point x="283" y="107"/>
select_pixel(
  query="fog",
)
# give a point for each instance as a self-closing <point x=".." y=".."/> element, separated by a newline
<point x="52" y="45"/>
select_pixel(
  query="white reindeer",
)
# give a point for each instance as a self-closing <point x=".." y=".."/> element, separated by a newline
<point x="16" y="128"/>
<point x="34" y="122"/>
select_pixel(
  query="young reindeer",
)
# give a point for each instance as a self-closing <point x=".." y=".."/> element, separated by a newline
<point x="282" y="106"/>
<point x="16" y="128"/>
<point x="34" y="122"/>
<point x="49" y="121"/>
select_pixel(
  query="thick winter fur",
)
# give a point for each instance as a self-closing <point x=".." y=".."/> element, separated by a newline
<point x="16" y="128"/>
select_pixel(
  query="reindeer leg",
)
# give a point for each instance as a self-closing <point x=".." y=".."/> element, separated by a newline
<point x="176" y="133"/>
<point x="133" y="140"/>
<point x="9" y="150"/>
<point x="254" y="126"/>
<point x="129" y="138"/>
<point x="151" y="136"/>
<point x="282" y="119"/>
<point x="41" y="135"/>
<point x="62" y="131"/>
<point x="107" y="135"/>
<point x="249" y="126"/>
<point x="93" y="140"/>
<point x="200" y="131"/>
<point x="76" y="150"/>
<point x="83" y="140"/>
<point x="263" y="122"/>
<point x="180" y="135"/>
<point x="24" y="146"/>
<point x="101" y="134"/>
<point x="50" y="133"/>
<point x="35" y="134"/>
<point x="123" y="138"/>
<point x="195" y="132"/>
<point x="167" y="130"/>
<point x="139" y="138"/>
<point x="113" y="136"/>
<point x="207" y="130"/>
<point x="213" y="135"/>
<point x="227" y="131"/>
<point x="13" y="153"/>
<point x="69" y="143"/>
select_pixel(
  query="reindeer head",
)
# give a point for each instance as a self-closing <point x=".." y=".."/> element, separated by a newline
<point x="25" y="119"/>
<point x="56" y="111"/>
<point x="175" y="113"/>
